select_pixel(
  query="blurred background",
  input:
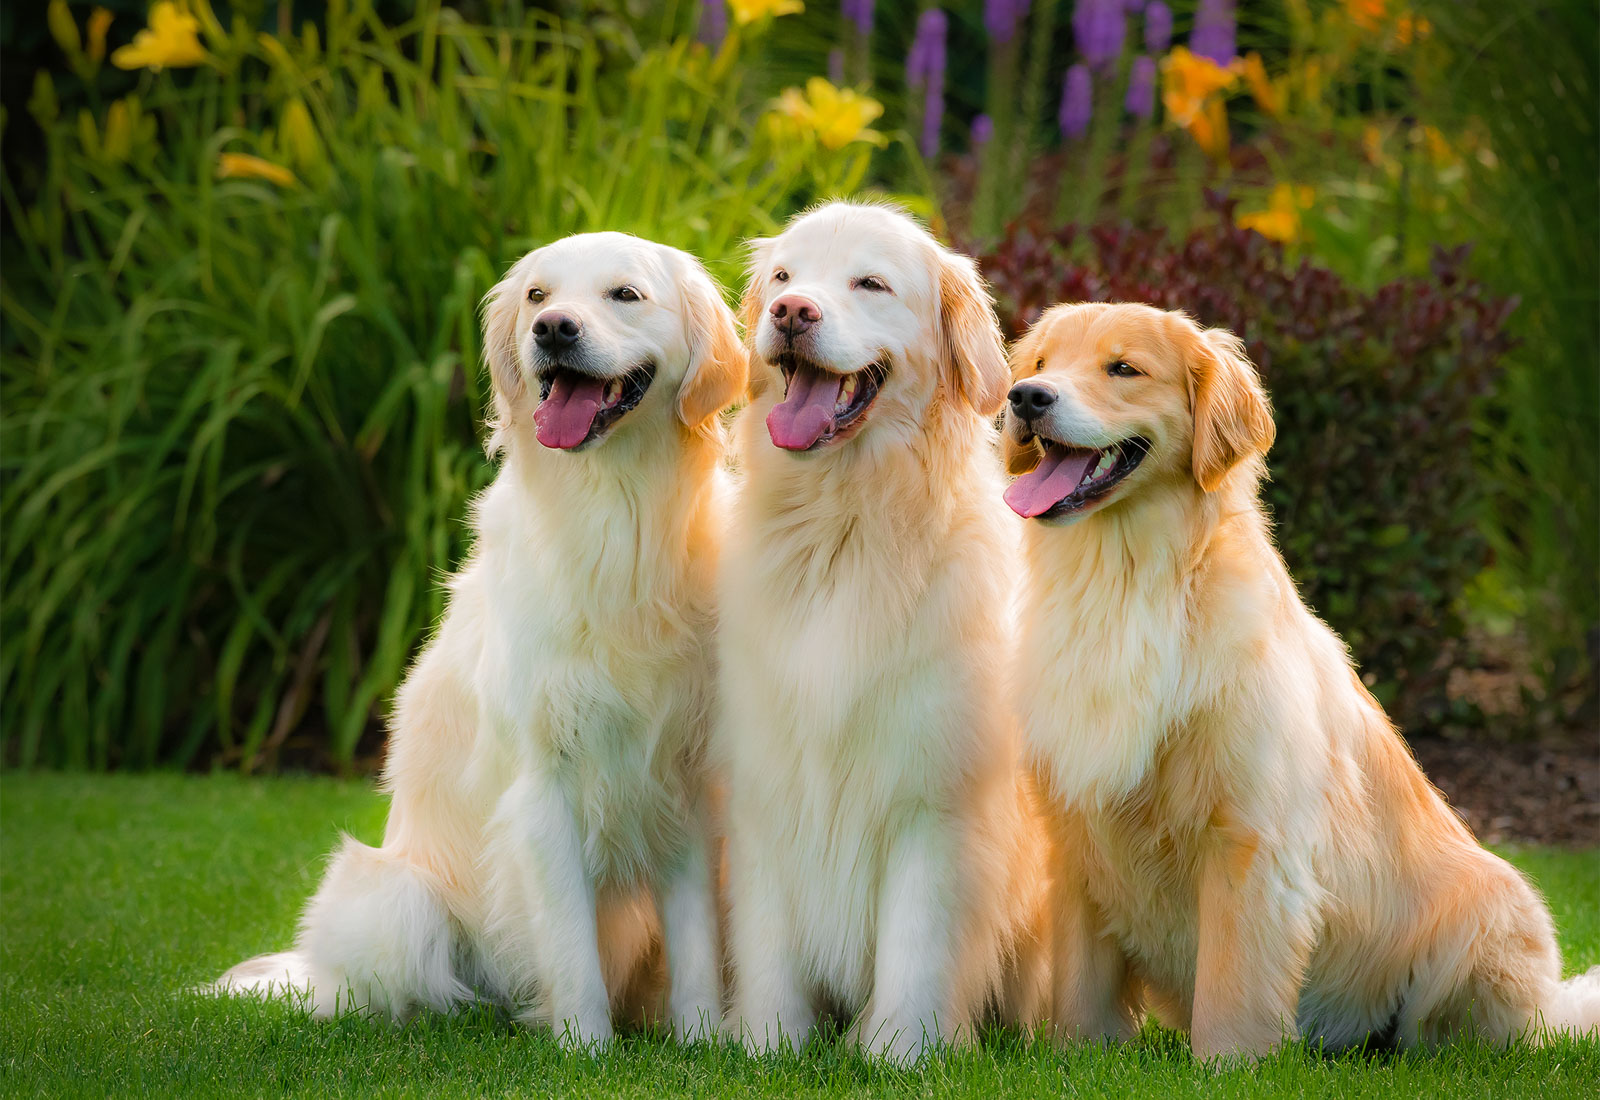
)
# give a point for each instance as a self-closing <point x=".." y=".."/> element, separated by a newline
<point x="244" y="245"/>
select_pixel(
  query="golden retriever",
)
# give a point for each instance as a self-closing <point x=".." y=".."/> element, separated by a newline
<point x="547" y="758"/>
<point x="1242" y="840"/>
<point x="884" y="852"/>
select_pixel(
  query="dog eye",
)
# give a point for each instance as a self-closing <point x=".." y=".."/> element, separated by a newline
<point x="536" y="295"/>
<point x="1038" y="368"/>
<point x="1120" y="369"/>
<point x="627" y="294"/>
<point x="870" y="282"/>
<point x="781" y="275"/>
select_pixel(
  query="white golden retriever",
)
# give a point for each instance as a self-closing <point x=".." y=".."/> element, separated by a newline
<point x="884" y="852"/>
<point x="548" y="830"/>
<point x="1244" y="844"/>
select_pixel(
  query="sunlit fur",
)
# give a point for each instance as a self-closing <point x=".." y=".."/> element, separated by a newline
<point x="885" y="852"/>
<point x="1242" y="841"/>
<point x="547" y="757"/>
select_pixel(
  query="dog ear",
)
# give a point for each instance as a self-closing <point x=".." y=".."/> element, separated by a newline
<point x="972" y="346"/>
<point x="750" y="311"/>
<point x="1232" y="419"/>
<point x="500" y="308"/>
<point x="719" y="366"/>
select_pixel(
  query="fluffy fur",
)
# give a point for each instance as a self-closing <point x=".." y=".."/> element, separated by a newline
<point x="548" y="829"/>
<point x="1242" y="842"/>
<point x="884" y="848"/>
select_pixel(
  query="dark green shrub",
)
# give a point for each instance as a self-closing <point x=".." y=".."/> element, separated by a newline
<point x="1373" y="488"/>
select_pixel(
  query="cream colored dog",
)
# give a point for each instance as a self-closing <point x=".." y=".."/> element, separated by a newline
<point x="1242" y="840"/>
<point x="547" y="760"/>
<point x="884" y="852"/>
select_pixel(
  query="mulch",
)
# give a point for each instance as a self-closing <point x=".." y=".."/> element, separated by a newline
<point x="1519" y="792"/>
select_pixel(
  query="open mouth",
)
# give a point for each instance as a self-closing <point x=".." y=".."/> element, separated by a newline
<point x="1069" y="479"/>
<point x="575" y="408"/>
<point x="820" y="406"/>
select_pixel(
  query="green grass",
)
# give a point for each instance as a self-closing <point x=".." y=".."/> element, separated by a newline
<point x="118" y="893"/>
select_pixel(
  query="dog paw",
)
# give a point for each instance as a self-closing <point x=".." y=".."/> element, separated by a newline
<point x="590" y="1036"/>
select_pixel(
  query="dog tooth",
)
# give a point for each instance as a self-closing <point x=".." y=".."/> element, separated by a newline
<point x="613" y="391"/>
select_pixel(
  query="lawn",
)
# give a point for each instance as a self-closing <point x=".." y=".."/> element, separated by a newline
<point x="119" y="893"/>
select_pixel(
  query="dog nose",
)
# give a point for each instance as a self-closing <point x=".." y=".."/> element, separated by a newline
<point x="555" y="331"/>
<point x="1029" y="399"/>
<point x="794" y="314"/>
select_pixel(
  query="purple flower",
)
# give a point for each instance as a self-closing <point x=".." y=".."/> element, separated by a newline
<point x="836" y="67"/>
<point x="982" y="131"/>
<point x="858" y="12"/>
<point x="1214" y="30"/>
<point x="1141" y="100"/>
<point x="1002" y="17"/>
<point x="1076" y="106"/>
<point x="713" y="22"/>
<point x="1097" y="30"/>
<point x="1157" y="28"/>
<point x="1133" y="7"/>
<point x="925" y="71"/>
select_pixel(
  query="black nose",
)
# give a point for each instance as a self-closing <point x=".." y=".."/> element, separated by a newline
<point x="1029" y="399"/>
<point x="554" y="331"/>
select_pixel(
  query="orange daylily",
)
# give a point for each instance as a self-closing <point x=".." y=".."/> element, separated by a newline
<point x="1191" y="88"/>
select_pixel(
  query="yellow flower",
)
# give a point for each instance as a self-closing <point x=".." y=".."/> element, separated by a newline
<point x="171" y="41"/>
<point x="1280" y="221"/>
<point x="245" y="166"/>
<point x="836" y="116"/>
<point x="1262" y="90"/>
<point x="99" y="24"/>
<point x="1191" y="88"/>
<point x="748" y="11"/>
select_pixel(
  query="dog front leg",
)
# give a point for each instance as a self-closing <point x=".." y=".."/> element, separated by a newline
<point x="770" y="1002"/>
<point x="1093" y="998"/>
<point x="568" y="945"/>
<point x="1256" y="930"/>
<point x="912" y="1008"/>
<point x="689" y="925"/>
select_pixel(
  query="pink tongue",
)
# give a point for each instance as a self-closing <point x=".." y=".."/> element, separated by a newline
<point x="1050" y="482"/>
<point x="806" y="412"/>
<point x="563" y="419"/>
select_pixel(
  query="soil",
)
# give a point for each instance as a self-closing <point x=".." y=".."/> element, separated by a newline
<point x="1519" y="792"/>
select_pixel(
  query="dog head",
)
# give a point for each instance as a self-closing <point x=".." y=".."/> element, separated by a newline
<point x="860" y="320"/>
<point x="583" y="332"/>
<point x="1110" y="399"/>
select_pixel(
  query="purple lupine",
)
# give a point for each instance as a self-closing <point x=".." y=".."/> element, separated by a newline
<point x="1214" y="30"/>
<point x="713" y="22"/>
<point x="1097" y="30"/>
<point x="1001" y="18"/>
<point x="1141" y="99"/>
<point x="982" y="132"/>
<point x="1133" y="7"/>
<point x="1077" y="107"/>
<point x="858" y="12"/>
<point x="836" y="67"/>
<point x="925" y="71"/>
<point x="1157" y="28"/>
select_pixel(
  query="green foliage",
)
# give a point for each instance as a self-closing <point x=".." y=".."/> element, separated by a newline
<point x="1374" y="497"/>
<point x="240" y="405"/>
<point x="1530" y="78"/>
<point x="123" y="892"/>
